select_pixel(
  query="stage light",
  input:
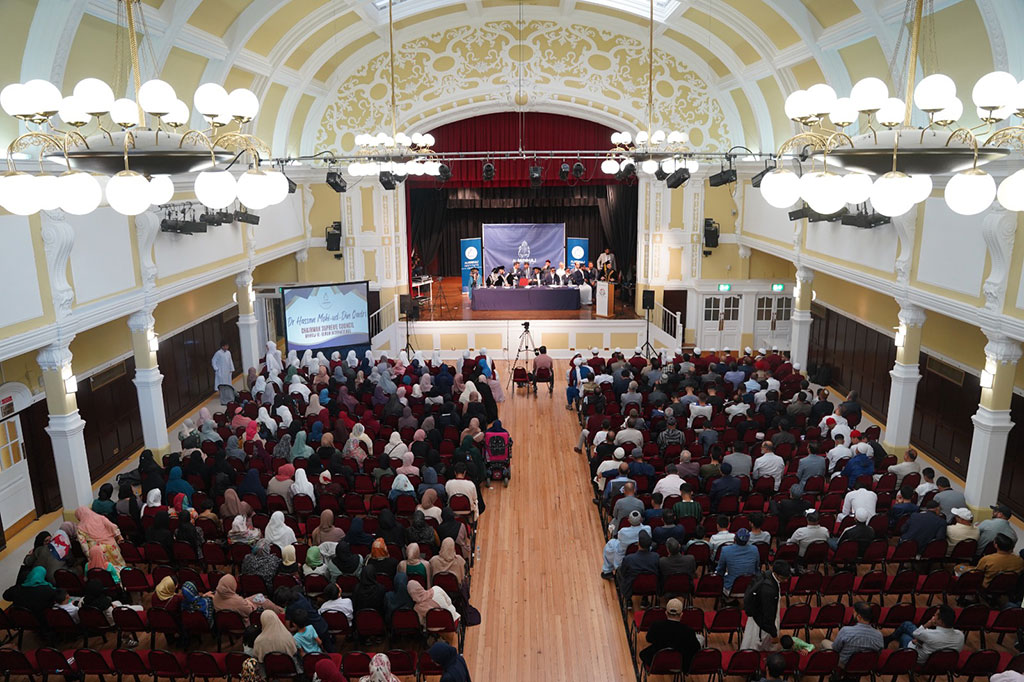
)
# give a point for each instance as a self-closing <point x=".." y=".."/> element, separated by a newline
<point x="211" y="219"/>
<point x="756" y="180"/>
<point x="660" y="174"/>
<point x="246" y="217"/>
<point x="813" y="216"/>
<point x="336" y="181"/>
<point x="225" y="216"/>
<point x="488" y="172"/>
<point x="444" y="173"/>
<point x="578" y="169"/>
<point x="678" y="178"/>
<point x="563" y="172"/>
<point x="387" y="180"/>
<point x="536" y="176"/>
<point x="291" y="184"/>
<point x="865" y="220"/>
<point x="723" y="177"/>
<point x="626" y="171"/>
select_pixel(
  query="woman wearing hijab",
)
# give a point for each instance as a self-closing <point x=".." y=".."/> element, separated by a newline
<point x="428" y="505"/>
<point x="103" y="505"/>
<point x="302" y="486"/>
<point x="322" y="378"/>
<point x="352" y="448"/>
<point x="189" y="533"/>
<point x="269" y="394"/>
<point x="381" y="560"/>
<point x="233" y="449"/>
<point x="327" y="531"/>
<point x="430" y="483"/>
<point x="420" y="531"/>
<point x="289" y="565"/>
<point x="176" y="484"/>
<point x="344" y="562"/>
<point x="160" y="532"/>
<point x="395" y="447"/>
<point x="314" y="408"/>
<point x="390" y="530"/>
<point x="299" y="448"/>
<point x="315" y="434"/>
<point x="356" y="536"/>
<point x="35" y="592"/>
<point x="261" y="562"/>
<point x="251" y="485"/>
<point x="285" y="413"/>
<point x="278" y="532"/>
<point x="154" y="504"/>
<point x="447" y="560"/>
<point x="433" y="598"/>
<point x="368" y="593"/>
<point x="266" y="421"/>
<point x="233" y="506"/>
<point x="208" y="432"/>
<point x="413" y="565"/>
<point x="98" y="531"/>
<point x="346" y="400"/>
<point x="401" y="486"/>
<point x="193" y="601"/>
<point x="327" y="670"/>
<point x="451" y="661"/>
<point x="451" y="527"/>
<point x="408" y="468"/>
<point x="252" y="432"/>
<point x="242" y="533"/>
<point x="283" y="449"/>
<point x="448" y="416"/>
<point x="189" y="435"/>
<point x="281" y="484"/>
<point x="473" y="431"/>
<point x="296" y="386"/>
<point x="314" y="562"/>
<point x="407" y="421"/>
<point x="43" y="557"/>
<point x="273" y="638"/>
<point x="166" y="595"/>
<point x="380" y="670"/>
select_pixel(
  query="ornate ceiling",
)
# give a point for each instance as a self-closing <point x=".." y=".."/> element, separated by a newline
<point x="723" y="67"/>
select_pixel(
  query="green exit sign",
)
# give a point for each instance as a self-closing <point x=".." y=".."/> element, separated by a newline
<point x="778" y="287"/>
<point x="725" y="287"/>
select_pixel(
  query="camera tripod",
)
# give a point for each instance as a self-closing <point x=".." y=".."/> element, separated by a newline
<point x="443" y="299"/>
<point x="408" y="344"/>
<point x="647" y="349"/>
<point x="527" y="346"/>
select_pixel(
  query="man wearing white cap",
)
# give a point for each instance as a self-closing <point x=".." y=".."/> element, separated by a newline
<point x="962" y="528"/>
<point x="618" y="456"/>
<point x="638" y="361"/>
<point x="596" y="362"/>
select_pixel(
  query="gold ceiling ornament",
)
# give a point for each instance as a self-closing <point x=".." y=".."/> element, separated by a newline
<point x="111" y="153"/>
<point x="395" y="156"/>
<point x="904" y="158"/>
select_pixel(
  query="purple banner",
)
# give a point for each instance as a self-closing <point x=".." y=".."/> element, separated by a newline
<point x="533" y="243"/>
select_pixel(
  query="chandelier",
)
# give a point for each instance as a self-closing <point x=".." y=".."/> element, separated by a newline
<point x="111" y="153"/>
<point x="653" y="152"/>
<point x="395" y="156"/>
<point x="902" y="158"/>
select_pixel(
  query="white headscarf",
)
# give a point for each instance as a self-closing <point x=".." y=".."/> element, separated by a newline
<point x="351" y="360"/>
<point x="401" y="483"/>
<point x="417" y="392"/>
<point x="395" y="447"/>
<point x="264" y="418"/>
<point x="403" y="358"/>
<point x="302" y="486"/>
<point x="468" y="391"/>
<point x="153" y="499"/>
<point x="309" y="362"/>
<point x="435" y="358"/>
<point x="293" y="359"/>
<point x="335" y="356"/>
<point x="322" y="360"/>
<point x="368" y="356"/>
<point x="273" y="358"/>
<point x="296" y="386"/>
<point x="286" y="416"/>
<point x="418" y="355"/>
<point x="259" y="386"/>
<point x="275" y="378"/>
<point x="462" y="361"/>
<point x="277" y="532"/>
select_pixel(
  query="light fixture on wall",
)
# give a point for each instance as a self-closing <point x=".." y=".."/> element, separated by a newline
<point x="900" y="339"/>
<point x="70" y="380"/>
<point x="108" y="150"/>
<point x="399" y="153"/>
<point x="154" y="341"/>
<point x="903" y="158"/>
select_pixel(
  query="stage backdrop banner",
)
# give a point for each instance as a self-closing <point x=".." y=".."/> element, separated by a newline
<point x="533" y="243"/>
<point x="471" y="258"/>
<point x="578" y="249"/>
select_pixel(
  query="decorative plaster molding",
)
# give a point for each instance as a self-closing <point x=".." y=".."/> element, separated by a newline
<point x="141" y="321"/>
<point x="302" y="255"/>
<point x="906" y="229"/>
<point x="55" y="357"/>
<point x="147" y="225"/>
<point x="1001" y="348"/>
<point x="999" y="227"/>
<point x="804" y="275"/>
<point x="243" y="280"/>
<point x="743" y="251"/>
<point x="58" y="238"/>
<point x="910" y="314"/>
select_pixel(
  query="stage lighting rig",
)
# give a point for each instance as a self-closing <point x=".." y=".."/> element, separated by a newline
<point x="865" y="220"/>
<point x="563" y="172"/>
<point x="444" y="173"/>
<point x="578" y="169"/>
<point x="387" y="180"/>
<point x="756" y="180"/>
<point x="336" y="181"/>
<point x="678" y="178"/>
<point x="536" y="176"/>
<point x="627" y="171"/>
<point x="723" y="177"/>
<point x="488" y="172"/>
<point x="246" y="217"/>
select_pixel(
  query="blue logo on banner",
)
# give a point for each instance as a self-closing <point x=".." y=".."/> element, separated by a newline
<point x="471" y="249"/>
<point x="578" y="249"/>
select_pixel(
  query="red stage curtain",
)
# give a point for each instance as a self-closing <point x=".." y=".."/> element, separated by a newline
<point x="501" y="132"/>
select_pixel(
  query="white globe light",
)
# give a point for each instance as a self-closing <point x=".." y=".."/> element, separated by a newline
<point x="843" y="113"/>
<point x="994" y="115"/>
<point x="807" y="181"/>
<point x="428" y="140"/>
<point x="243" y="105"/>
<point x="822" y="98"/>
<point x="96" y="96"/>
<point x="215" y="189"/>
<point x="641" y="137"/>
<point x="178" y="115"/>
<point x="921" y="187"/>
<point x="609" y="166"/>
<point x="934" y="93"/>
<point x="157" y="97"/>
<point x="353" y="169"/>
<point x="403" y="139"/>
<point x="994" y="90"/>
<point x="658" y="137"/>
<point x="970" y="192"/>
<point x="210" y="100"/>
<point x="649" y="166"/>
<point x="161" y="189"/>
<point x="360" y="140"/>
<point x="953" y="111"/>
<point x="1011" y="192"/>
<point x="19" y="194"/>
<point x="625" y="137"/>
<point x="891" y="194"/>
<point x="80" y="193"/>
<point x="128" y="193"/>
<point x="125" y="113"/>
<point x="798" y="105"/>
<point x="1017" y="101"/>
<point x="402" y="169"/>
<point x="780" y="188"/>
<point x="254" y="189"/>
<point x="892" y="112"/>
<point x="669" y="166"/>
<point x="44" y="95"/>
<point x="856" y="187"/>
<point x="277" y="187"/>
<point x="677" y="137"/>
<point x="417" y="139"/>
<point x="222" y="120"/>
<point x="72" y="112"/>
<point x="49" y="192"/>
<point x="692" y="165"/>
<point x="869" y="94"/>
<point x="380" y="139"/>
<point x="15" y="101"/>
<point x="827" y="193"/>
<point x="616" y="137"/>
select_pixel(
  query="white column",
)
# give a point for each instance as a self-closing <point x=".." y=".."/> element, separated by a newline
<point x="248" y="336"/>
<point x="148" y="382"/>
<point x="905" y="377"/>
<point x="992" y="422"/>
<point x="66" y="428"/>
<point x="800" y="327"/>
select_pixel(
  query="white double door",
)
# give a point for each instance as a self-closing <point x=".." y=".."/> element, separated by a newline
<point x="772" y="325"/>
<point x="720" y="322"/>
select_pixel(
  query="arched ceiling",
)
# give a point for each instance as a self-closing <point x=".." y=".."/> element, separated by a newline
<point x="733" y="61"/>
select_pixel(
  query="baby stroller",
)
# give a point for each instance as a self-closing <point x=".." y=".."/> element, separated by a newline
<point x="498" y="455"/>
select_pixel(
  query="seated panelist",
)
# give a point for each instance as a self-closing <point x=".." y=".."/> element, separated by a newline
<point x="497" y="277"/>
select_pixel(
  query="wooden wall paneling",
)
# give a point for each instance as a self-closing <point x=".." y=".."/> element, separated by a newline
<point x="39" y="451"/>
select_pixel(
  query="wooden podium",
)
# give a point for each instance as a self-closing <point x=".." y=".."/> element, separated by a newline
<point x="605" y="303"/>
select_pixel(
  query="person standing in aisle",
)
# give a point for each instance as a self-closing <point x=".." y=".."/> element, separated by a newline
<point x="223" y="370"/>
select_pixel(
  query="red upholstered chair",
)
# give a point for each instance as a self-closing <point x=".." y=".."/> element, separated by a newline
<point x="280" y="666"/>
<point x="665" y="662"/>
<point x="355" y="664"/>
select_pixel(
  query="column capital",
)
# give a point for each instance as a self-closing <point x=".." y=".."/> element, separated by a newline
<point x="243" y="279"/>
<point x="54" y="357"/>
<point x="743" y="251"/>
<point x="1001" y="348"/>
<point x="302" y="255"/>
<point x="804" y="275"/>
<point x="141" y="321"/>
<point x="911" y="314"/>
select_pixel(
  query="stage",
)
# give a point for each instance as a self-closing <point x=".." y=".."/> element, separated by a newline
<point x="434" y="308"/>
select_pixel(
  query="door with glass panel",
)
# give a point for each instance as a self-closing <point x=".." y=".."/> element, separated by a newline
<point x="772" y="321"/>
<point x="15" y="488"/>
<point x="720" y="322"/>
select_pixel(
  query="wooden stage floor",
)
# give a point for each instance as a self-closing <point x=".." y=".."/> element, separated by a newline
<point x="454" y="306"/>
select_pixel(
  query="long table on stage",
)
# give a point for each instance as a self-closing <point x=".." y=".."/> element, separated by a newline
<point x="527" y="298"/>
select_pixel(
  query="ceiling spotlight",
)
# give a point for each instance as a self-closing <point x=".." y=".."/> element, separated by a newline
<point x="756" y="180"/>
<point x="626" y="171"/>
<point x="660" y="173"/>
<point x="678" y="178"/>
<point x="291" y="184"/>
<point x="336" y="181"/>
<point x="211" y="219"/>
<point x="536" y="176"/>
<point x="488" y="171"/>
<point x="563" y="172"/>
<point x="723" y="177"/>
<point x="387" y="180"/>
<point x="246" y="217"/>
<point x="578" y="169"/>
<point x="444" y="173"/>
<point x="865" y="220"/>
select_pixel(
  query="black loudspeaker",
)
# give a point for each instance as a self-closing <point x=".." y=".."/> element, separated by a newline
<point x="408" y="307"/>
<point x="648" y="299"/>
<point x="711" y="230"/>
<point x="334" y="237"/>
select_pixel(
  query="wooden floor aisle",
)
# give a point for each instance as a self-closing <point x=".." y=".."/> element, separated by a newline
<point x="547" y="614"/>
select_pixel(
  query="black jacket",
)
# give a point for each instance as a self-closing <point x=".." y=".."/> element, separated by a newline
<point x="761" y="601"/>
<point x="671" y="634"/>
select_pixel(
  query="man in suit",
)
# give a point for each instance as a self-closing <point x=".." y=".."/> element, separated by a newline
<point x="925" y="526"/>
<point x="576" y="276"/>
<point x="547" y="274"/>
